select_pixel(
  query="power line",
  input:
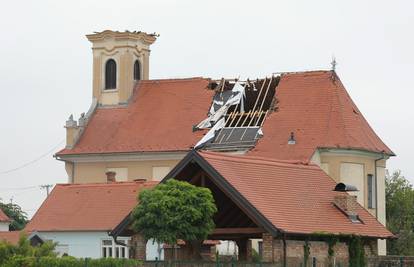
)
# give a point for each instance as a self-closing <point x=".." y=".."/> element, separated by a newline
<point x="34" y="160"/>
<point x="17" y="188"/>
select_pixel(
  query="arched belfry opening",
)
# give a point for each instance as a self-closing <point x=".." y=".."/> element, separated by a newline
<point x="137" y="70"/>
<point x="110" y="74"/>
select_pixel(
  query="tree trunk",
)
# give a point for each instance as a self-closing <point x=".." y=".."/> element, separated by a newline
<point x="195" y="249"/>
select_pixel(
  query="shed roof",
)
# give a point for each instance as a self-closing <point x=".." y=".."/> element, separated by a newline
<point x="295" y="198"/>
<point x="87" y="207"/>
<point x="4" y="217"/>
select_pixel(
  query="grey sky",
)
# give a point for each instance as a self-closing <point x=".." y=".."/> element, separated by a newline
<point x="46" y="64"/>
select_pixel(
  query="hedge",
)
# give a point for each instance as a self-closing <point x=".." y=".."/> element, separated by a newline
<point x="21" y="261"/>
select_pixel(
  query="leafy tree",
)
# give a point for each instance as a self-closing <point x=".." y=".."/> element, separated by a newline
<point x="175" y="210"/>
<point x="399" y="195"/>
<point x="16" y="214"/>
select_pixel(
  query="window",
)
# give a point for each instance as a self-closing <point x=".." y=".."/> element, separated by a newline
<point x="110" y="74"/>
<point x="158" y="173"/>
<point x="112" y="250"/>
<point x="371" y="192"/>
<point x="137" y="71"/>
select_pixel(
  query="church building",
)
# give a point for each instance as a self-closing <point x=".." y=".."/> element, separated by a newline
<point x="286" y="156"/>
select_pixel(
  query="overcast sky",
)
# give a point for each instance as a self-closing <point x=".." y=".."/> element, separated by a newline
<point x="46" y="64"/>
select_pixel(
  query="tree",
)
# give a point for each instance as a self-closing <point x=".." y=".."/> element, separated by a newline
<point x="16" y="214"/>
<point x="399" y="195"/>
<point x="175" y="210"/>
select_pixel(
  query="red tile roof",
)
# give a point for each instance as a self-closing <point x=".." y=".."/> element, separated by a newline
<point x="320" y="113"/>
<point x="160" y="117"/>
<point x="295" y="198"/>
<point x="4" y="217"/>
<point x="12" y="237"/>
<point x="162" y="112"/>
<point x="87" y="207"/>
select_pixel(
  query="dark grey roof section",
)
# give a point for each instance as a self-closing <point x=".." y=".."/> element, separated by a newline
<point x="234" y="138"/>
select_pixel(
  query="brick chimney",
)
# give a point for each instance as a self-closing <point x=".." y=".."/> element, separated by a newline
<point x="110" y="176"/>
<point x="347" y="203"/>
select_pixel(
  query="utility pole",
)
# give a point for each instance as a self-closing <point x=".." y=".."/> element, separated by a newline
<point x="46" y="186"/>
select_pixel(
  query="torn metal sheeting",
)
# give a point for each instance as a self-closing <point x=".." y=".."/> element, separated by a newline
<point x="237" y="113"/>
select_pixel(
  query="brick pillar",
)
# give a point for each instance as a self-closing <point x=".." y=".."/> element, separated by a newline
<point x="139" y="244"/>
<point x="267" y="246"/>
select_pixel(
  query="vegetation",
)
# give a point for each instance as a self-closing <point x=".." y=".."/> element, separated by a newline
<point x="356" y="252"/>
<point x="14" y="212"/>
<point x="25" y="255"/>
<point x="175" y="210"/>
<point x="400" y="214"/>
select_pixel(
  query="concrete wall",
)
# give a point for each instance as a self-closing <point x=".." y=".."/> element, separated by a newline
<point x="94" y="172"/>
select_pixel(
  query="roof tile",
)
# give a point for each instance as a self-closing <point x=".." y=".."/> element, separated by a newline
<point x="87" y="207"/>
<point x="295" y="198"/>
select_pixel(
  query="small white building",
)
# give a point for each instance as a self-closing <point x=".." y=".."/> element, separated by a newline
<point x="4" y="222"/>
<point x="81" y="218"/>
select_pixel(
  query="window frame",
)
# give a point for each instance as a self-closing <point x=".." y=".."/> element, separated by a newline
<point x="137" y="63"/>
<point x="372" y="196"/>
<point x="110" y="82"/>
<point x="114" y="250"/>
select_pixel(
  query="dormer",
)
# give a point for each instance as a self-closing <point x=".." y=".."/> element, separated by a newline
<point x="120" y="59"/>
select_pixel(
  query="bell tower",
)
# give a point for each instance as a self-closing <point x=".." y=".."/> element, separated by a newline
<point x="120" y="59"/>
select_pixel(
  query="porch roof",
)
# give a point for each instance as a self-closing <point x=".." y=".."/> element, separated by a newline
<point x="283" y="196"/>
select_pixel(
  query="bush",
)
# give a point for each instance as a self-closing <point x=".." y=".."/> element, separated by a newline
<point x="19" y="261"/>
<point x="25" y="255"/>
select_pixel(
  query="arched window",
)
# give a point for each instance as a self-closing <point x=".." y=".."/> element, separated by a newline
<point x="110" y="74"/>
<point x="137" y="71"/>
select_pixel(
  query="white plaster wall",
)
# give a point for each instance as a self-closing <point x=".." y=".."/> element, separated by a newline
<point x="79" y="244"/>
<point x="353" y="174"/>
<point x="382" y="244"/>
<point x="85" y="244"/>
<point x="4" y="226"/>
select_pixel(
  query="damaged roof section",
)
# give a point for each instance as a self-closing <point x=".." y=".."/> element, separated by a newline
<point x="237" y="113"/>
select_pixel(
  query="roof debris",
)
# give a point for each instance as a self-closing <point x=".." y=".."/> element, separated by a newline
<point x="237" y="113"/>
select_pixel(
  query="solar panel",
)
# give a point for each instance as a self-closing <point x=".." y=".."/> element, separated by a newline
<point x="230" y="138"/>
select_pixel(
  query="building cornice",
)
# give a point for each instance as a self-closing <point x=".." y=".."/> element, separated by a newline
<point x="352" y="152"/>
<point x="138" y="36"/>
<point x="116" y="157"/>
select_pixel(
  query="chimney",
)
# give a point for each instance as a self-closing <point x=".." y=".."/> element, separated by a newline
<point x="348" y="205"/>
<point x="110" y="176"/>
<point x="72" y="132"/>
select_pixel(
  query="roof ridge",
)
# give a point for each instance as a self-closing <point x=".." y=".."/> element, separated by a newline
<point x="174" y="79"/>
<point x="103" y="184"/>
<point x="262" y="160"/>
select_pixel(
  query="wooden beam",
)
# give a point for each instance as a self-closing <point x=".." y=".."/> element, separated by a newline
<point x="247" y="230"/>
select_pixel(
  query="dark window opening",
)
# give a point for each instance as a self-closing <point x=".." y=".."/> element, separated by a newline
<point x="371" y="192"/>
<point x="137" y="70"/>
<point x="110" y="74"/>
